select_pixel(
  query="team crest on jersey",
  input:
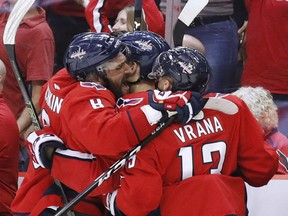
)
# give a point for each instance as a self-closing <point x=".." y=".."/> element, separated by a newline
<point x="78" y="54"/>
<point x="121" y="102"/>
<point x="92" y="85"/>
<point x="144" y="45"/>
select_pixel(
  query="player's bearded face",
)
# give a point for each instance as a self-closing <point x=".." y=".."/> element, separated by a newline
<point x="117" y="74"/>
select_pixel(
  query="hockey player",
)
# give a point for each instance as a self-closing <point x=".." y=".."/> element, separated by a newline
<point x="187" y="166"/>
<point x="94" y="59"/>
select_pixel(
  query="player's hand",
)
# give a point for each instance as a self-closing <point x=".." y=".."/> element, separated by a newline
<point x="42" y="147"/>
<point x="186" y="104"/>
<point x="191" y="109"/>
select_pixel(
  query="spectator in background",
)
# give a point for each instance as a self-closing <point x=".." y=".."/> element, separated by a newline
<point x="215" y="28"/>
<point x="9" y="151"/>
<point x="35" y="54"/>
<point x="267" y="57"/>
<point x="125" y="20"/>
<point x="100" y="15"/>
<point x="240" y="14"/>
<point x="66" y="19"/>
<point x="260" y="103"/>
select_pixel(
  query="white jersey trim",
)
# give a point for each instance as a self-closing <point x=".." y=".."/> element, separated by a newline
<point x="75" y="154"/>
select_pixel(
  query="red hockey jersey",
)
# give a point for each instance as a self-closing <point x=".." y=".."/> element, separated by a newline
<point x="199" y="168"/>
<point x="89" y="165"/>
<point x="83" y="115"/>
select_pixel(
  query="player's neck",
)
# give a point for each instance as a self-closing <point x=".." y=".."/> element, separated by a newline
<point x="144" y="86"/>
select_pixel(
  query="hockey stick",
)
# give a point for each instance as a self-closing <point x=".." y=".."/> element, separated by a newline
<point x="137" y="15"/>
<point x="116" y="166"/>
<point x="186" y="17"/>
<point x="18" y="12"/>
<point x="219" y="104"/>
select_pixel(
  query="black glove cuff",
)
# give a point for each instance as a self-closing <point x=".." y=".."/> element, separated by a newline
<point x="47" y="161"/>
<point x="118" y="212"/>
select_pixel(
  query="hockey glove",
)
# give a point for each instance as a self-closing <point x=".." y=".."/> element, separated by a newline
<point x="186" y="104"/>
<point x="41" y="148"/>
<point x="191" y="109"/>
<point x="110" y="204"/>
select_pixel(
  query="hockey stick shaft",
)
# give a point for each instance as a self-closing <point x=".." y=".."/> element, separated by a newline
<point x="191" y="9"/>
<point x="31" y="109"/>
<point x="116" y="166"/>
<point x="20" y="9"/>
<point x="18" y="12"/>
<point x="137" y="15"/>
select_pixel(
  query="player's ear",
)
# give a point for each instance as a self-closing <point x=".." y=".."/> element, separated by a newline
<point x="164" y="84"/>
<point x="133" y="65"/>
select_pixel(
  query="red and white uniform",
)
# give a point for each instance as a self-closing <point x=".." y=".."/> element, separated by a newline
<point x="91" y="166"/>
<point x="83" y="115"/>
<point x="266" y="46"/>
<point x="280" y="143"/>
<point x="187" y="166"/>
<point x="98" y="13"/>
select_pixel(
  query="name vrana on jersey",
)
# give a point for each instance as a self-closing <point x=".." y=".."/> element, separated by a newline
<point x="200" y="128"/>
